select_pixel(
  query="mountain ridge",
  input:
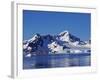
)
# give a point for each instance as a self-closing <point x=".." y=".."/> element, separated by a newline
<point x="64" y="42"/>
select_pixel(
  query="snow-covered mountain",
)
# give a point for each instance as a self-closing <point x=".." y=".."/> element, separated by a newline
<point x="55" y="44"/>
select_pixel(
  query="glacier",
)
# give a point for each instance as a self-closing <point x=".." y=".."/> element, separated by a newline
<point x="64" y="42"/>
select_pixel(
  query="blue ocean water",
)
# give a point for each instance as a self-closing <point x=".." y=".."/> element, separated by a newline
<point x="56" y="60"/>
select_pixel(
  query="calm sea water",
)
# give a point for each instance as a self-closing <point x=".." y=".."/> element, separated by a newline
<point x="56" y="60"/>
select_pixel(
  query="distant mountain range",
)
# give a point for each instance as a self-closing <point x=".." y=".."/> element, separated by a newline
<point x="64" y="42"/>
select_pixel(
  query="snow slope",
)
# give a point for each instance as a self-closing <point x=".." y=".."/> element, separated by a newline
<point x="61" y="43"/>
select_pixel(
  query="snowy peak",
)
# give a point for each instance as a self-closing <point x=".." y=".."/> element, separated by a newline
<point x="64" y="36"/>
<point x="35" y="37"/>
<point x="61" y="43"/>
<point x="64" y="33"/>
<point x="67" y="37"/>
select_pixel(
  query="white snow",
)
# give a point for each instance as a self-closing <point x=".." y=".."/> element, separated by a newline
<point x="25" y="46"/>
<point x="29" y="48"/>
<point x="75" y="43"/>
<point x="33" y="38"/>
<point x="64" y="32"/>
<point x="77" y="51"/>
<point x="64" y="36"/>
<point x="74" y="47"/>
<point x="55" y="47"/>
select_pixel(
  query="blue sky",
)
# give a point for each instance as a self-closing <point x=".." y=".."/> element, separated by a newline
<point x="45" y="22"/>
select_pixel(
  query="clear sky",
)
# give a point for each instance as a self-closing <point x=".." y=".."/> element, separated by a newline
<point x="47" y="22"/>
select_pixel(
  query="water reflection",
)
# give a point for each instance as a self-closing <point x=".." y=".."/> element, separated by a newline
<point x="51" y="61"/>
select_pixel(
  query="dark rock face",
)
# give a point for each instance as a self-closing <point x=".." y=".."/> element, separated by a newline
<point x="39" y="43"/>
